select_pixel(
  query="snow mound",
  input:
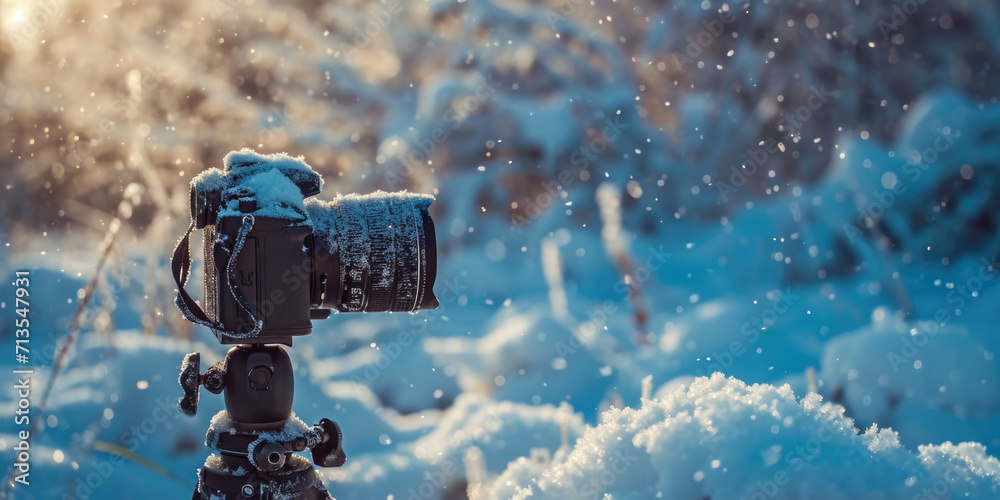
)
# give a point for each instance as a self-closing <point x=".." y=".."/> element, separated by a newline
<point x="528" y="358"/>
<point x="477" y="437"/>
<point x="720" y="438"/>
<point x="502" y="430"/>
<point x="906" y="374"/>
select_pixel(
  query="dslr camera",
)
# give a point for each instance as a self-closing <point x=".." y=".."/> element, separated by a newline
<point x="275" y="257"/>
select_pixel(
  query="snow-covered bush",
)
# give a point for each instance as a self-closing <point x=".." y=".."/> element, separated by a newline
<point x="719" y="438"/>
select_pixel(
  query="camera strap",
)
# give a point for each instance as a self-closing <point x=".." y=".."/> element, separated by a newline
<point x="180" y="265"/>
<point x="241" y="238"/>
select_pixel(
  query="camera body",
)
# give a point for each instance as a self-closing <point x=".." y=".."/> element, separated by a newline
<point x="276" y="258"/>
<point x="273" y="252"/>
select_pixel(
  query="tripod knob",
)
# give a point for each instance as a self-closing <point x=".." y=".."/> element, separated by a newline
<point x="190" y="379"/>
<point x="329" y="453"/>
<point x="268" y="456"/>
<point x="213" y="380"/>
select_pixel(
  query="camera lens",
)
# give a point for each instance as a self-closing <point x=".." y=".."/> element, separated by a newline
<point x="373" y="253"/>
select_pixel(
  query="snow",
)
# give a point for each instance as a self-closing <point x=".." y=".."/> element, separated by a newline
<point x="269" y="180"/>
<point x="248" y="162"/>
<point x="720" y="438"/>
<point x="274" y="193"/>
<point x="211" y="179"/>
<point x="516" y="358"/>
<point x="886" y="373"/>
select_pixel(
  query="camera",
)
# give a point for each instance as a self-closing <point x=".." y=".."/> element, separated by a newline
<point x="276" y="258"/>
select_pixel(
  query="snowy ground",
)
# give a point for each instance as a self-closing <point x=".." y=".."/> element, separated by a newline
<point x="799" y="195"/>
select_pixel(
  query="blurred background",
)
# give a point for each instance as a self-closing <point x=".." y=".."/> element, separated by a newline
<point x="793" y="192"/>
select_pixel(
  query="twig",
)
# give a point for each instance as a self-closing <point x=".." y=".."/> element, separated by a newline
<point x="610" y="206"/>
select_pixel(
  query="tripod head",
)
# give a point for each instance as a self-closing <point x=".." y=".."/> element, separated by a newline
<point x="258" y="424"/>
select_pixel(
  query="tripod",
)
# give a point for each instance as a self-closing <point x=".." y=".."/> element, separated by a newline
<point x="257" y="435"/>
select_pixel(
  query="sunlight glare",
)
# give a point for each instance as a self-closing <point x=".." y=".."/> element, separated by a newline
<point x="17" y="17"/>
